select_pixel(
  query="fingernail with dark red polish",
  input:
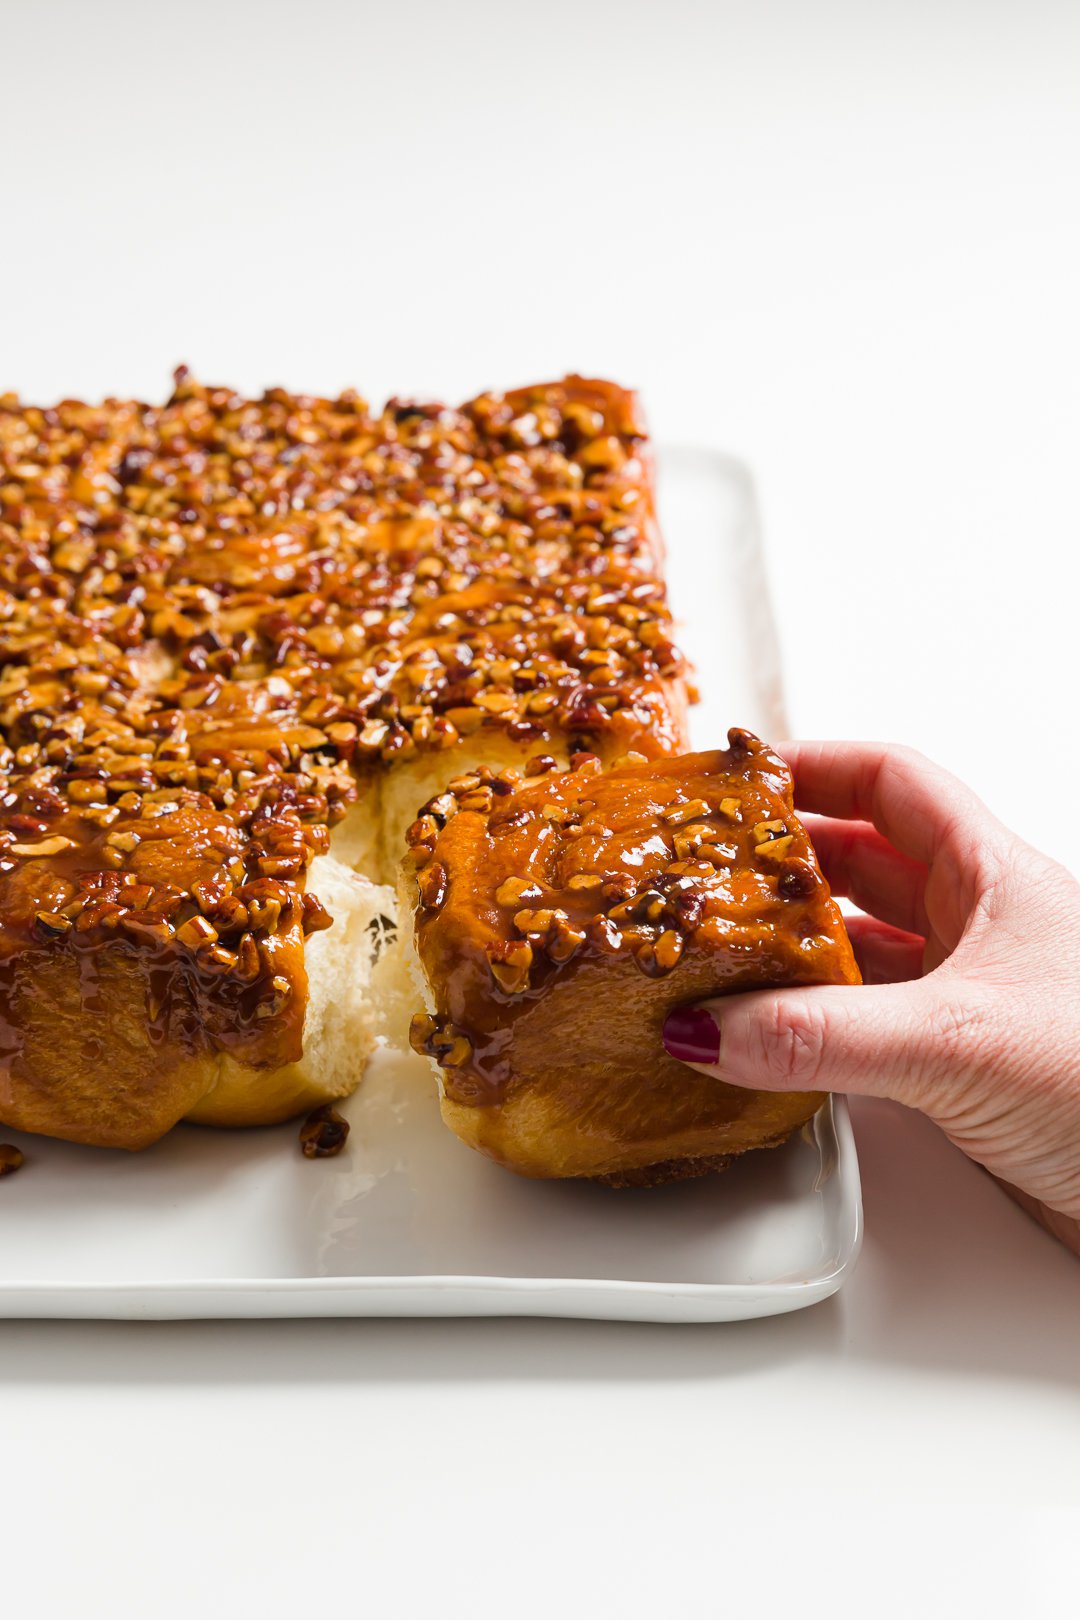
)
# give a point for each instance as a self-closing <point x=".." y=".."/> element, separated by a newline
<point x="692" y="1035"/>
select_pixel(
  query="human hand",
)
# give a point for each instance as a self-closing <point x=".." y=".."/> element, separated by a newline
<point x="970" y="953"/>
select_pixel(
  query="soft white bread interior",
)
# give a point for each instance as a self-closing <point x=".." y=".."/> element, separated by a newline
<point x="357" y="840"/>
<point x="340" y="1019"/>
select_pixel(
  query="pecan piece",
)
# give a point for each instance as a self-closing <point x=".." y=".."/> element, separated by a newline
<point x="510" y="965"/>
<point x="432" y="884"/>
<point x="655" y="960"/>
<point x="323" y="1133"/>
<point x="515" y="889"/>
<point x="677" y="815"/>
<point x="10" y="1159"/>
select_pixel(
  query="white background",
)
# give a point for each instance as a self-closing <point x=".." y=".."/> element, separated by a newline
<point x="843" y="242"/>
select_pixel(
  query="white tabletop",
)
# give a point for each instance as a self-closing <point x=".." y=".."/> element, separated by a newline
<point x="842" y="242"/>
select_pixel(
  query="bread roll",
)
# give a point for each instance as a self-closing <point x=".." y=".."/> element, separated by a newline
<point x="559" y="916"/>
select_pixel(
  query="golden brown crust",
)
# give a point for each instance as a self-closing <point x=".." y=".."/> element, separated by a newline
<point x="663" y="1174"/>
<point x="222" y="620"/>
<point x="560" y="918"/>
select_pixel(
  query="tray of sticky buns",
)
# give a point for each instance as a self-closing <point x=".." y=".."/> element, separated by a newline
<point x="345" y="778"/>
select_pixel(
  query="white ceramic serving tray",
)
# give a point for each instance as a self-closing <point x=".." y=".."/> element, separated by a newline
<point x="408" y="1222"/>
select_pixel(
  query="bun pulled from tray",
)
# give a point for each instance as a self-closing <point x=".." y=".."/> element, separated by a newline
<point x="560" y="915"/>
<point x="240" y="641"/>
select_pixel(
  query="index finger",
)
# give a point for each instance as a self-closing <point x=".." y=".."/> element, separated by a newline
<point x="912" y="802"/>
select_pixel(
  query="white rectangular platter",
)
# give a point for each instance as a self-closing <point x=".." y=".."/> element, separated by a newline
<point x="407" y="1221"/>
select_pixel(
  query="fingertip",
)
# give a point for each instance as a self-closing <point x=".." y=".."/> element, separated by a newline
<point x="692" y="1035"/>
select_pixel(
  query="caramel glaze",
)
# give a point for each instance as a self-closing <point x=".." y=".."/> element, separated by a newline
<point x="220" y="618"/>
<point x="645" y="885"/>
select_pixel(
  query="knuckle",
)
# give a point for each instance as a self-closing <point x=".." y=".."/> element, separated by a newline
<point x="788" y="1045"/>
<point x="909" y="759"/>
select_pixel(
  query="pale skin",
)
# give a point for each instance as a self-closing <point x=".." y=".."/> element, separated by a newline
<point x="970" y="952"/>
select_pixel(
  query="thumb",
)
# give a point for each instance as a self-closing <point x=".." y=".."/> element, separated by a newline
<point x="896" y="1040"/>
